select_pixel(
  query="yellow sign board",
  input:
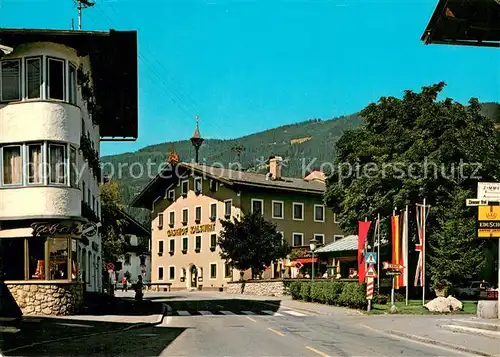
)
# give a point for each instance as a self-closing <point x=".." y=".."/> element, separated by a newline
<point x="488" y="222"/>
<point x="203" y="228"/>
<point x="488" y="213"/>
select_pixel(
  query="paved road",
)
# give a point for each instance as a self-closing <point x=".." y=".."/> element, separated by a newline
<point x="221" y="327"/>
<point x="204" y="324"/>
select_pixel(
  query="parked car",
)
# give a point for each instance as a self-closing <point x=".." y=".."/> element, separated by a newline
<point x="471" y="289"/>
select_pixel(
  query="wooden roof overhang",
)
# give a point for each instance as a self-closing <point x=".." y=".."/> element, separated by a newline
<point x="464" y="22"/>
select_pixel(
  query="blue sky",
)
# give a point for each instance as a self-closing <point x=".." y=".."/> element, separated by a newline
<point x="247" y="66"/>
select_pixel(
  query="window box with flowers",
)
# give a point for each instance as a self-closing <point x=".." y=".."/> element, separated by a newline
<point x="91" y="155"/>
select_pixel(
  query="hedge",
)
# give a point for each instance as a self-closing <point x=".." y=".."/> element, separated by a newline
<point x="350" y="294"/>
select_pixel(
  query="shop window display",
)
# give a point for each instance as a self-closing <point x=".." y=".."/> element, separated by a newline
<point x="36" y="256"/>
<point x="58" y="258"/>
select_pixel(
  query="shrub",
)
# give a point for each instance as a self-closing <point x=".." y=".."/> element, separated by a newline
<point x="295" y="288"/>
<point x="353" y="295"/>
<point x="380" y="299"/>
<point x="305" y="291"/>
<point x="348" y="294"/>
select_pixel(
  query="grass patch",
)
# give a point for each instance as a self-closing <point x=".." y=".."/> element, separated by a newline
<point x="415" y="307"/>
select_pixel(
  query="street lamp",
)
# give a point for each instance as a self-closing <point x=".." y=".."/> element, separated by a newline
<point x="312" y="245"/>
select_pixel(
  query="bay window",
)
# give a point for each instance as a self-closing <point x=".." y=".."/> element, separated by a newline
<point x="55" y="79"/>
<point x="72" y="84"/>
<point x="35" y="164"/>
<point x="12" y="165"/>
<point x="40" y="258"/>
<point x="10" y="80"/>
<point x="39" y="163"/>
<point x="57" y="164"/>
<point x="73" y="167"/>
<point x="38" y="77"/>
<point x="33" y="82"/>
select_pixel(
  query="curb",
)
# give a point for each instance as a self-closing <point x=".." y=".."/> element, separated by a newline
<point x="477" y="331"/>
<point x="440" y="343"/>
<point x="430" y="341"/>
<point x="133" y="327"/>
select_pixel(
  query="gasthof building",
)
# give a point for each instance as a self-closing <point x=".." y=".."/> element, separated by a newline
<point x="61" y="94"/>
<point x="188" y="200"/>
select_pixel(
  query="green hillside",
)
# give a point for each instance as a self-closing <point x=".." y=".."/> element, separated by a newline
<point x="310" y="141"/>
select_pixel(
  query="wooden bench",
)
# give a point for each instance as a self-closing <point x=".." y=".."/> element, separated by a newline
<point x="166" y="286"/>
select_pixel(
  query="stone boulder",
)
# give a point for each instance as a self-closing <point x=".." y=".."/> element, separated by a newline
<point x="444" y="305"/>
<point x="455" y="304"/>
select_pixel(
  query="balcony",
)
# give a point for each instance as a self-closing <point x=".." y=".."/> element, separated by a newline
<point x="89" y="213"/>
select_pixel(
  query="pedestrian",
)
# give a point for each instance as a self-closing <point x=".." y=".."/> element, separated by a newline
<point x="138" y="289"/>
<point x="124" y="283"/>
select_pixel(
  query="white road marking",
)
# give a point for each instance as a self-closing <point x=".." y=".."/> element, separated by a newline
<point x="183" y="313"/>
<point x="228" y="313"/>
<point x="248" y="312"/>
<point x="205" y="313"/>
<point x="294" y="313"/>
<point x="416" y="341"/>
<point x="269" y="312"/>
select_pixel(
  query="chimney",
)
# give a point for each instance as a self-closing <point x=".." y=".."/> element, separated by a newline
<point x="275" y="167"/>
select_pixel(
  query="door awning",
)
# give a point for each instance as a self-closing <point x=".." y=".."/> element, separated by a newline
<point x="306" y="260"/>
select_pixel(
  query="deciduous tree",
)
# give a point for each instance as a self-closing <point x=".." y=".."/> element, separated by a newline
<point x="413" y="148"/>
<point x="251" y="243"/>
<point x="113" y="222"/>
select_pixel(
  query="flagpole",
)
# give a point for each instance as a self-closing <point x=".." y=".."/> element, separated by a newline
<point x="423" y="252"/>
<point x="394" y="276"/>
<point x="378" y="254"/>
<point x="405" y="244"/>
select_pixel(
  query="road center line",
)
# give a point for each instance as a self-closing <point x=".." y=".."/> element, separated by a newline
<point x="251" y="319"/>
<point x="276" y="332"/>
<point x="317" y="351"/>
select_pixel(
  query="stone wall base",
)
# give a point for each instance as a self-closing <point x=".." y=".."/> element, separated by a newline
<point x="487" y="309"/>
<point x="262" y="288"/>
<point x="48" y="299"/>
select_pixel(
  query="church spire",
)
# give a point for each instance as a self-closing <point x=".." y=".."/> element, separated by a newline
<point x="197" y="140"/>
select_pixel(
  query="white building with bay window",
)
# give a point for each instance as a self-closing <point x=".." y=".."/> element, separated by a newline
<point x="61" y="94"/>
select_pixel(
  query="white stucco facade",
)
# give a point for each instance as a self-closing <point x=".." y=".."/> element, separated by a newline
<point x="136" y="263"/>
<point x="48" y="124"/>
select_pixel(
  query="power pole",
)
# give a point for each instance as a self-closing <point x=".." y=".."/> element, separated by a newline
<point x="238" y="150"/>
<point x="82" y="4"/>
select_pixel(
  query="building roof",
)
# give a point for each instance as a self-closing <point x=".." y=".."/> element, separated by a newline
<point x="238" y="179"/>
<point x="464" y="22"/>
<point x="345" y="244"/>
<point x="113" y="57"/>
<point x="135" y="227"/>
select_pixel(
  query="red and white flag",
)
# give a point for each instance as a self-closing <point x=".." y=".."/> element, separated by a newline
<point x="403" y="278"/>
<point x="420" y="246"/>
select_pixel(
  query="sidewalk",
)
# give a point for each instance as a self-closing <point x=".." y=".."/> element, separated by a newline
<point x="427" y="329"/>
<point x="36" y="330"/>
<point x="490" y="328"/>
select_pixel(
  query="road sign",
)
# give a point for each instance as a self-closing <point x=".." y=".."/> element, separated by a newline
<point x="391" y="266"/>
<point x="298" y="265"/>
<point x="110" y="266"/>
<point x="393" y="272"/>
<point x="476" y="202"/>
<point x="369" y="289"/>
<point x="488" y="222"/>
<point x="371" y="272"/>
<point x="371" y="258"/>
<point x="488" y="190"/>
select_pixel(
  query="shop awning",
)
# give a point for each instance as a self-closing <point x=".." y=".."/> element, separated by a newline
<point x="306" y="260"/>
